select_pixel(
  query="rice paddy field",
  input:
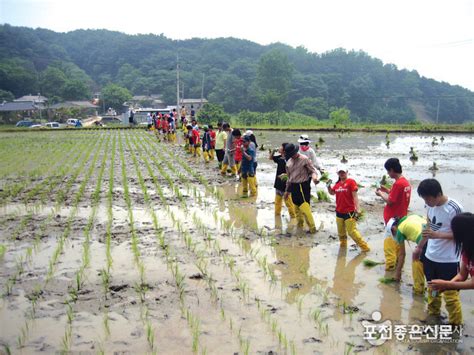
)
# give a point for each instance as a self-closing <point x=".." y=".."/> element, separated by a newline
<point x="117" y="241"/>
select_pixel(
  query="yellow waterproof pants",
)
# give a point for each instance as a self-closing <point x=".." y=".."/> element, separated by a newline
<point x="453" y="305"/>
<point x="349" y="226"/>
<point x="390" y="249"/>
<point x="303" y="213"/>
<point x="289" y="204"/>
<point x="418" y="277"/>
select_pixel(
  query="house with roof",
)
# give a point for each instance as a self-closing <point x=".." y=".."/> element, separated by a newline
<point x="196" y="103"/>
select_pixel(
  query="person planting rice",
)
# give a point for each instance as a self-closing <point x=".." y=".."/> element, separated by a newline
<point x="212" y="134"/>
<point x="248" y="167"/>
<point x="462" y="226"/>
<point x="229" y="156"/>
<point x="441" y="257"/>
<point x="347" y="209"/>
<point x="309" y="152"/>
<point x="408" y="228"/>
<point x="221" y="138"/>
<point x="280" y="182"/>
<point x="238" y="142"/>
<point x="253" y="143"/>
<point x="206" y="144"/>
<point x="397" y="201"/>
<point x="300" y="172"/>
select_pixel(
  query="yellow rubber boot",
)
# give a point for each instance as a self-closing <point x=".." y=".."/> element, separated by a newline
<point x="351" y="227"/>
<point x="206" y="156"/>
<point x="192" y="150"/>
<point x="224" y="169"/>
<point x="305" y="209"/>
<point x="453" y="306"/>
<point x="418" y="277"/>
<point x="291" y="207"/>
<point x="234" y="169"/>
<point x="341" y="232"/>
<point x="390" y="249"/>
<point x="211" y="154"/>
<point x="237" y="166"/>
<point x="198" y="152"/>
<point x="253" y="186"/>
<point x="278" y="204"/>
<point x="245" y="186"/>
<point x="434" y="303"/>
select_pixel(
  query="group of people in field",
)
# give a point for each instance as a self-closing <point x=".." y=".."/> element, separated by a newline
<point x="443" y="258"/>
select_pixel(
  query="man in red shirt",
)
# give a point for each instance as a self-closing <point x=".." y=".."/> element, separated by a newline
<point x="398" y="200"/>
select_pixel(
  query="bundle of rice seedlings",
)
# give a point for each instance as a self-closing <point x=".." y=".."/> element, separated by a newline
<point x="371" y="263"/>
<point x="387" y="280"/>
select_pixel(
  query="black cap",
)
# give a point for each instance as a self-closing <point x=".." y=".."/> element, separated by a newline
<point x="290" y="150"/>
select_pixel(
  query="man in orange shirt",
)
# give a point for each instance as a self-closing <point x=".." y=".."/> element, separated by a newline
<point x="398" y="200"/>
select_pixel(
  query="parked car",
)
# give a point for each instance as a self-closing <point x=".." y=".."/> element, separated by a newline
<point x="36" y="125"/>
<point x="24" y="123"/>
<point x="52" y="125"/>
<point x="72" y="122"/>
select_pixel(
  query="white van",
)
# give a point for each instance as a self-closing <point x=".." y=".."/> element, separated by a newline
<point x="52" y="125"/>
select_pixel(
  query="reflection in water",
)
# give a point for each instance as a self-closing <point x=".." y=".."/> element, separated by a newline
<point x="343" y="284"/>
<point x="293" y="264"/>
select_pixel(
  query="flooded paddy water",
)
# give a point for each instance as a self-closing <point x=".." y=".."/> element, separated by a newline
<point x="124" y="243"/>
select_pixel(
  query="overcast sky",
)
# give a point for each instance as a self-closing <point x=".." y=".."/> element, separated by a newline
<point x="434" y="37"/>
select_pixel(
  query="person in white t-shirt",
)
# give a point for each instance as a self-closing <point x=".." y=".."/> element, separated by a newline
<point x="440" y="258"/>
<point x="309" y="152"/>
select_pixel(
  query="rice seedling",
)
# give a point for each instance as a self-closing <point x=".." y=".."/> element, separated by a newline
<point x="3" y="250"/>
<point x="371" y="263"/>
<point x="387" y="280"/>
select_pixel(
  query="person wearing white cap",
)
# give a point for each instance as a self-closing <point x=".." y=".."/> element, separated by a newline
<point x="347" y="209"/>
<point x="309" y="152"/>
<point x="408" y="228"/>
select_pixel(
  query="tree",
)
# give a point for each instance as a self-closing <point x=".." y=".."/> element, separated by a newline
<point x="52" y="82"/>
<point x="315" y="107"/>
<point x="340" y="116"/>
<point x="6" y="96"/>
<point x="75" y="90"/>
<point x="114" y="96"/>
<point x="211" y="113"/>
<point x="274" y="75"/>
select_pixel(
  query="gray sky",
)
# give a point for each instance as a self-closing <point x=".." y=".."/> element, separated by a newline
<point x="434" y="37"/>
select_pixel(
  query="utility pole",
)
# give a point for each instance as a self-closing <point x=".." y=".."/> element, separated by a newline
<point x="177" y="82"/>
<point x="437" y="113"/>
<point x="202" y="89"/>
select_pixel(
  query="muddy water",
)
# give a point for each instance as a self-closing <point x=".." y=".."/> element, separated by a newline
<point x="302" y="263"/>
<point x="313" y="277"/>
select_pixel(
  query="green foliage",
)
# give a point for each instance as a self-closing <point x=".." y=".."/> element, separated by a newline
<point x="211" y="113"/>
<point x="114" y="96"/>
<point x="275" y="118"/>
<point x="314" y="107"/>
<point x="274" y="75"/>
<point x="6" y="96"/>
<point x="340" y="116"/>
<point x="239" y="75"/>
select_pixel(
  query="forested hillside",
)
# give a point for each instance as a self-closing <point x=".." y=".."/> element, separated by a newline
<point x="239" y="74"/>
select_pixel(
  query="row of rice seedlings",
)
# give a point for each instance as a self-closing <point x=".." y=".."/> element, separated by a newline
<point x="77" y="283"/>
<point x="54" y="182"/>
<point x="201" y="264"/>
<point x="172" y="156"/>
<point x="30" y="316"/>
<point x="14" y="189"/>
<point x="229" y="262"/>
<point x="163" y="173"/>
<point x="36" y="242"/>
<point x="171" y="260"/>
<point x="27" y="218"/>
<point x="141" y="287"/>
